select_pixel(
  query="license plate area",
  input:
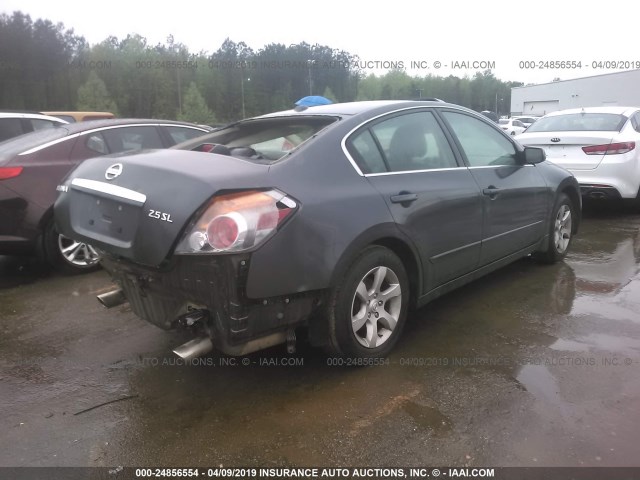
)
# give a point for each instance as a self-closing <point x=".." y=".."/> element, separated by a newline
<point x="555" y="151"/>
<point x="109" y="220"/>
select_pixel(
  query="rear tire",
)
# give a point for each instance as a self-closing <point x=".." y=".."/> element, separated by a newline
<point x="367" y="310"/>
<point x="66" y="255"/>
<point x="560" y="231"/>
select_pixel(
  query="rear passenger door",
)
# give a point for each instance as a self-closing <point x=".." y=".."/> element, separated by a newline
<point x="514" y="195"/>
<point x="432" y="196"/>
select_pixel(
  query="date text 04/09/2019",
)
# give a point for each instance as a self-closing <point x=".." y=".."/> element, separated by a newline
<point x="578" y="64"/>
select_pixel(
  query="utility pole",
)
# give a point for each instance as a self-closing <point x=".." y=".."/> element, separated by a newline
<point x="244" y="115"/>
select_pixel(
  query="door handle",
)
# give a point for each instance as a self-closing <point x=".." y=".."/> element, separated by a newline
<point x="404" y="198"/>
<point x="491" y="191"/>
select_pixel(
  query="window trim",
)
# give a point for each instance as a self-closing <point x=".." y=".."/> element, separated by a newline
<point x="448" y="169"/>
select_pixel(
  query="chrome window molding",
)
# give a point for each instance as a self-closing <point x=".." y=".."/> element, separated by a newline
<point x="381" y="174"/>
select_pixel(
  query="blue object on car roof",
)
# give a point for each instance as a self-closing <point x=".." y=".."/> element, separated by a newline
<point x="312" y="101"/>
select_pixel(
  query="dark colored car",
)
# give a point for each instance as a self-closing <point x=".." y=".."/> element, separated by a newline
<point x="338" y="218"/>
<point x="32" y="165"/>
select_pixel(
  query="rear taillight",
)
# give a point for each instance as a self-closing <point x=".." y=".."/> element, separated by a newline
<point x="610" y="148"/>
<point x="9" y="172"/>
<point x="226" y="230"/>
<point x="237" y="222"/>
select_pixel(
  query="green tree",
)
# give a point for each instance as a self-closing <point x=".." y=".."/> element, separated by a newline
<point x="328" y="93"/>
<point x="194" y="107"/>
<point x="35" y="59"/>
<point x="93" y="96"/>
<point x="369" y="88"/>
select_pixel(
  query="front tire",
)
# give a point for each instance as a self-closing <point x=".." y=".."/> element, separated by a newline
<point x="560" y="231"/>
<point x="68" y="256"/>
<point x="368" y="308"/>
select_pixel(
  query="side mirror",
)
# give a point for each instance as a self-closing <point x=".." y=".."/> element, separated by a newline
<point x="533" y="155"/>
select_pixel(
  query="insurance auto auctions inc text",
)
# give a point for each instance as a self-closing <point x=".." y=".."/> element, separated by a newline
<point x="374" y="472"/>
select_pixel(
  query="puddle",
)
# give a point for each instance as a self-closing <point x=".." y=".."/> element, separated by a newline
<point x="539" y="382"/>
<point x="569" y="346"/>
<point x="428" y="417"/>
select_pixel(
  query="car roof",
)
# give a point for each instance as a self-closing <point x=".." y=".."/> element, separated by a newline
<point x="626" y="111"/>
<point x="37" y="116"/>
<point x="355" y="108"/>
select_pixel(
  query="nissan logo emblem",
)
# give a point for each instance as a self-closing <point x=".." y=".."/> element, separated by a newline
<point x="113" y="171"/>
<point x="554" y="140"/>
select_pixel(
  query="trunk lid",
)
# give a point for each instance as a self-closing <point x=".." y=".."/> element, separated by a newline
<point x="138" y="205"/>
<point x="565" y="148"/>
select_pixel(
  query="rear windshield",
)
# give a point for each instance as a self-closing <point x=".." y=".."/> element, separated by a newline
<point x="264" y="140"/>
<point x="12" y="147"/>
<point x="579" y="122"/>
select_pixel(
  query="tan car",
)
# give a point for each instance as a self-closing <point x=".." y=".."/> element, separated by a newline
<point x="73" y="117"/>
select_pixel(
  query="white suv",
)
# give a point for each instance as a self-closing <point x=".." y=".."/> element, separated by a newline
<point x="599" y="145"/>
<point x="13" y="124"/>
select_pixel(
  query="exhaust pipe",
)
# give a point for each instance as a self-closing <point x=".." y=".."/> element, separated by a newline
<point x="194" y="348"/>
<point x="113" y="298"/>
<point x="598" y="195"/>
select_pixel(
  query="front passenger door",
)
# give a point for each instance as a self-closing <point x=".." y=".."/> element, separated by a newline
<point x="515" y="196"/>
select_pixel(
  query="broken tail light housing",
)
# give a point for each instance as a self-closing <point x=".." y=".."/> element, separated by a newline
<point x="237" y="222"/>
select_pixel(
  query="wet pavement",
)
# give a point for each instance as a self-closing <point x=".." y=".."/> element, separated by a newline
<point x="531" y="366"/>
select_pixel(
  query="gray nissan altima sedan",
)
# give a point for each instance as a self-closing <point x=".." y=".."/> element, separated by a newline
<point x="338" y="218"/>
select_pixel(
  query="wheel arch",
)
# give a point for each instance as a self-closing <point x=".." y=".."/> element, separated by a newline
<point x="43" y="223"/>
<point x="573" y="193"/>
<point x="390" y="237"/>
<point x="46" y="217"/>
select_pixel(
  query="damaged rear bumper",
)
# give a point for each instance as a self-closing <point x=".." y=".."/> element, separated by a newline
<point x="215" y="286"/>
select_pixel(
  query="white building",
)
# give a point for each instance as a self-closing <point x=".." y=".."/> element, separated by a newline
<point x="620" y="89"/>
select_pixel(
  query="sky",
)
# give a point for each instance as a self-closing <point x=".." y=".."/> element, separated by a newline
<point x="519" y="40"/>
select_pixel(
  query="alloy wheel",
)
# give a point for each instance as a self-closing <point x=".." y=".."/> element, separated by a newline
<point x="78" y="254"/>
<point x="376" y="307"/>
<point x="562" y="229"/>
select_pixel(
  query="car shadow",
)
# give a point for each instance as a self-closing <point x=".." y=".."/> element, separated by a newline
<point x="608" y="209"/>
<point x="21" y="270"/>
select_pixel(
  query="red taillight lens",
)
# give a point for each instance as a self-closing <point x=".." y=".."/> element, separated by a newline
<point x="9" y="172"/>
<point x="610" y="148"/>
<point x="224" y="231"/>
<point x="237" y="222"/>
